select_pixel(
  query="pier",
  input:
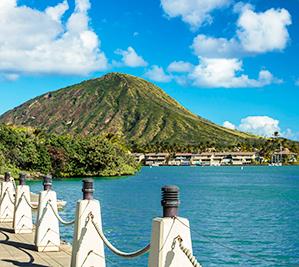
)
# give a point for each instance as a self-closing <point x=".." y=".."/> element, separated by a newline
<point x="24" y="243"/>
<point x="19" y="250"/>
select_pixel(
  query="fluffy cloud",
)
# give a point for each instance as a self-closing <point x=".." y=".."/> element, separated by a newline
<point x="259" y="125"/>
<point x="193" y="12"/>
<point x="34" y="41"/>
<point x="262" y="126"/>
<point x="265" y="31"/>
<point x="157" y="74"/>
<point x="180" y="66"/>
<point x="222" y="72"/>
<point x="130" y="58"/>
<point x="229" y="125"/>
<point x="211" y="47"/>
<point x="257" y="33"/>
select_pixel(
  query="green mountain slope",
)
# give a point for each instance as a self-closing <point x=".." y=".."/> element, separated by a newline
<point x="121" y="104"/>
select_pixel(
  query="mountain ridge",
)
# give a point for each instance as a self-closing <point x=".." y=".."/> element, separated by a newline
<point x="120" y="104"/>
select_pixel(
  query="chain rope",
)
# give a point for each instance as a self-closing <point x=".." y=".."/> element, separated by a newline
<point x="3" y="196"/>
<point x="9" y="197"/>
<point x="58" y="216"/>
<point x="186" y="251"/>
<point x="29" y="202"/>
<point x="112" y="248"/>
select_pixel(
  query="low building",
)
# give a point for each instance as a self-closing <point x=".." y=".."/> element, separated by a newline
<point x="181" y="159"/>
<point x="156" y="159"/>
<point x="284" y="156"/>
<point x="139" y="157"/>
<point x="223" y="158"/>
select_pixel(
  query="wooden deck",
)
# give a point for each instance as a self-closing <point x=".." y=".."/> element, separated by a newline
<point x="18" y="250"/>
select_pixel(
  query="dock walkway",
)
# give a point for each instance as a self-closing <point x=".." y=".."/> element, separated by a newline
<point x="19" y="250"/>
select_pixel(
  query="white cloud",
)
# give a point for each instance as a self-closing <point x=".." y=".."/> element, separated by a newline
<point x="34" y="41"/>
<point x="229" y="125"/>
<point x="257" y="33"/>
<point x="179" y="66"/>
<point x="263" y="126"/>
<point x="130" y="58"/>
<point x="264" y="31"/>
<point x="57" y="12"/>
<point x="157" y="74"/>
<point x="259" y="125"/>
<point x="211" y="47"/>
<point x="222" y="72"/>
<point x="193" y="12"/>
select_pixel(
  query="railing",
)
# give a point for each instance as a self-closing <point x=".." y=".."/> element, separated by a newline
<point x="171" y="235"/>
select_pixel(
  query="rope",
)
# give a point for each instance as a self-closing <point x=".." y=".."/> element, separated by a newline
<point x="58" y="216"/>
<point x="227" y="247"/>
<point x="13" y="182"/>
<point x="10" y="199"/>
<point x="3" y="196"/>
<point x="186" y="251"/>
<point x="29" y="202"/>
<point x="112" y="248"/>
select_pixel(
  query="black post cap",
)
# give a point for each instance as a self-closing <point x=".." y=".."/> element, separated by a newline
<point x="7" y="176"/>
<point x="22" y="179"/>
<point x="170" y="200"/>
<point x="87" y="189"/>
<point x="47" y="183"/>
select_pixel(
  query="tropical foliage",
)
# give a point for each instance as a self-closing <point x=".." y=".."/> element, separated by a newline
<point x="35" y="152"/>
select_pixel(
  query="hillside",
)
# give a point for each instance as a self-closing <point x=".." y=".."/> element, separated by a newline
<point x="120" y="104"/>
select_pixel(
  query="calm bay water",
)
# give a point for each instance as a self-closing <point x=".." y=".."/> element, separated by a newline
<point x="254" y="210"/>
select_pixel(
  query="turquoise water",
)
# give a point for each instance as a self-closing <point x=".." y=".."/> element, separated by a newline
<point x="254" y="211"/>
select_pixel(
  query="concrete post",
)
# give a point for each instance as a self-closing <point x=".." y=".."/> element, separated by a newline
<point x="88" y="247"/>
<point x="47" y="236"/>
<point x="165" y="230"/>
<point x="22" y="221"/>
<point x="7" y="196"/>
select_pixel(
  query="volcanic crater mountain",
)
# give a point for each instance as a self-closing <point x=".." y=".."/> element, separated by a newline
<point x="120" y="104"/>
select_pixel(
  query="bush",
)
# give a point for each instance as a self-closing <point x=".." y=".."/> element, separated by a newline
<point x="31" y="150"/>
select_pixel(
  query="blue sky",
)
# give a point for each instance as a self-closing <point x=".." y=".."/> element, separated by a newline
<point x="234" y="63"/>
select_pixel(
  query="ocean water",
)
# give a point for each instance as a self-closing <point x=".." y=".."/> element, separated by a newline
<point x="246" y="217"/>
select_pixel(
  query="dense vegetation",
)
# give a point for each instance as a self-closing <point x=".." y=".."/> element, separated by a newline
<point x="125" y="105"/>
<point x="33" y="151"/>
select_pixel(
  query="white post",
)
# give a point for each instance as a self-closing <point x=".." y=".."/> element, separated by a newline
<point x="88" y="247"/>
<point x="47" y="236"/>
<point x="22" y="221"/>
<point x="164" y="251"/>
<point x="7" y="199"/>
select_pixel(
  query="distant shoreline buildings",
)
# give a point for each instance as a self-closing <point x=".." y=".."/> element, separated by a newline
<point x="210" y="158"/>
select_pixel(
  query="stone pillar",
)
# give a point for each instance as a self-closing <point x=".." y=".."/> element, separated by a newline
<point x="166" y="229"/>
<point x="22" y="221"/>
<point x="47" y="236"/>
<point x="7" y="199"/>
<point x="88" y="247"/>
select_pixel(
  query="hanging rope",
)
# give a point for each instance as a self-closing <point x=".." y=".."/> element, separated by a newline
<point x="58" y="216"/>
<point x="3" y="196"/>
<point x="10" y="199"/>
<point x="186" y="251"/>
<point x="13" y="182"/>
<point x="112" y="248"/>
<point x="29" y="202"/>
